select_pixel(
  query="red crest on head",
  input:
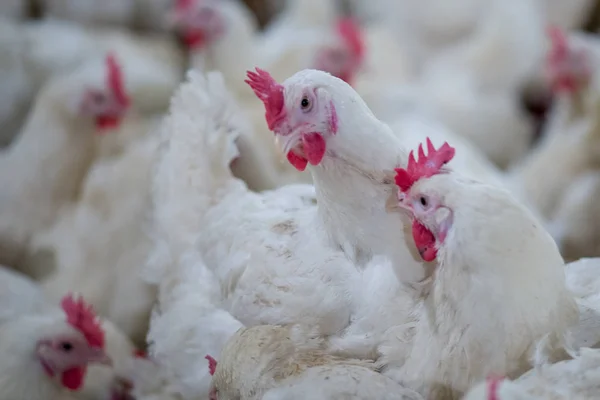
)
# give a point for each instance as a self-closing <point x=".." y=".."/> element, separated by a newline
<point x="140" y="354"/>
<point x="270" y="93"/>
<point x="182" y="5"/>
<point x="82" y="317"/>
<point x="560" y="44"/>
<point x="350" y="31"/>
<point x="426" y="166"/>
<point x="212" y="364"/>
<point x="114" y="79"/>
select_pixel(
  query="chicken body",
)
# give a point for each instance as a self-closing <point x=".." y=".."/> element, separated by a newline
<point x="287" y="362"/>
<point x="51" y="154"/>
<point x="271" y="270"/>
<point x="100" y="242"/>
<point x="433" y="346"/>
<point x="577" y="378"/>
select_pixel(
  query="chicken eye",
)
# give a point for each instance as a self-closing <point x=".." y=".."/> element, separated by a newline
<point x="98" y="98"/>
<point x="305" y="104"/>
<point x="423" y="201"/>
<point x="66" y="346"/>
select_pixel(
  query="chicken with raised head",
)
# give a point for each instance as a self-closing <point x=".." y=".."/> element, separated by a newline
<point x="482" y="309"/>
<point x="571" y="133"/>
<point x="291" y="256"/>
<point x="275" y="274"/>
<point x="43" y="168"/>
<point x="288" y="363"/>
<point x="221" y="31"/>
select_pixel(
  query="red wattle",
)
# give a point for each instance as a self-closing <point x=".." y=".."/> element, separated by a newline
<point x="72" y="378"/>
<point x="314" y="147"/>
<point x="194" y="39"/>
<point x="105" y="123"/>
<point x="297" y="161"/>
<point x="424" y="240"/>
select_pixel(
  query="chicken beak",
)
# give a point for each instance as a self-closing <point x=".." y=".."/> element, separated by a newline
<point x="99" y="356"/>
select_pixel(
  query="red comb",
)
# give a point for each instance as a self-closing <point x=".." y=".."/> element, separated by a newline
<point x="270" y="93"/>
<point x="82" y="317"/>
<point x="559" y="42"/>
<point x="212" y="364"/>
<point x="425" y="166"/>
<point x="351" y="33"/>
<point x="140" y="354"/>
<point x="114" y="79"/>
<point x="493" y="382"/>
<point x="182" y="5"/>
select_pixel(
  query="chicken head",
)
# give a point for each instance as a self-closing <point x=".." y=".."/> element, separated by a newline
<point x="198" y="22"/>
<point x="66" y="353"/>
<point x="107" y="105"/>
<point x="431" y="218"/>
<point x="302" y="116"/>
<point x="345" y="58"/>
<point x="568" y="69"/>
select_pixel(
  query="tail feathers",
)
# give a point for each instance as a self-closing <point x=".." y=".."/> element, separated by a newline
<point x="188" y="324"/>
<point x="197" y="146"/>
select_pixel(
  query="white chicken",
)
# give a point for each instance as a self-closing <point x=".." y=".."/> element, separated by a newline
<point x="53" y="152"/>
<point x="287" y="363"/>
<point x="272" y="271"/>
<point x="36" y="51"/>
<point x="193" y="192"/>
<point x="489" y="69"/>
<point x="571" y="379"/>
<point x="223" y="37"/>
<point x="483" y="309"/>
<point x="49" y="353"/>
<point x="573" y="127"/>
<point x="103" y="263"/>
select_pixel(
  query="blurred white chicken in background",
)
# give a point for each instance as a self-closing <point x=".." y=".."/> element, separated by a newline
<point x="37" y="51"/>
<point x="571" y="132"/>
<point x="43" y="168"/>
<point x="104" y="263"/>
